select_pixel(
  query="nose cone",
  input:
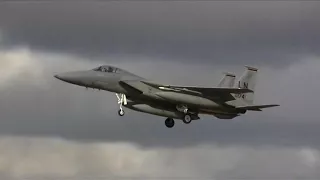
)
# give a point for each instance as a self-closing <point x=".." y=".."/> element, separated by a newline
<point x="70" y="77"/>
<point x="58" y="77"/>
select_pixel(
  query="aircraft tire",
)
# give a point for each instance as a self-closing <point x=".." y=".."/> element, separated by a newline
<point x="121" y="112"/>
<point x="187" y="119"/>
<point x="169" y="122"/>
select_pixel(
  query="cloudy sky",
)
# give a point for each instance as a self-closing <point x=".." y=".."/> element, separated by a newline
<point x="51" y="129"/>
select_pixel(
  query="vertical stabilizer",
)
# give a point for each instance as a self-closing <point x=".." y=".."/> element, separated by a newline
<point x="247" y="81"/>
<point x="228" y="80"/>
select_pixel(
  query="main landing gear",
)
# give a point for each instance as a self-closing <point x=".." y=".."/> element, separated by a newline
<point x="187" y="116"/>
<point x="169" y="122"/>
<point x="122" y="100"/>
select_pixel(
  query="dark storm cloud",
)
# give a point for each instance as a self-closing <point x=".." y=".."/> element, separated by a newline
<point x="81" y="115"/>
<point x="274" y="33"/>
<point x="152" y="40"/>
<point x="57" y="109"/>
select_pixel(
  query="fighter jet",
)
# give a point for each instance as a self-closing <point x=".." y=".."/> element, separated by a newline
<point x="227" y="100"/>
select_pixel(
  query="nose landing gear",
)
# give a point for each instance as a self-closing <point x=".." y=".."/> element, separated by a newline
<point x="121" y="112"/>
<point x="122" y="100"/>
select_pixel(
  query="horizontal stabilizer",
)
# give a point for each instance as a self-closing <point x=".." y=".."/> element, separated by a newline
<point x="256" y="107"/>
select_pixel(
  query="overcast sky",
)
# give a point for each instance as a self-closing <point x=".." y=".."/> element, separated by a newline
<point x="52" y="129"/>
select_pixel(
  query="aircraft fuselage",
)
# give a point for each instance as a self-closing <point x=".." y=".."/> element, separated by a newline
<point x="149" y="95"/>
<point x="226" y="101"/>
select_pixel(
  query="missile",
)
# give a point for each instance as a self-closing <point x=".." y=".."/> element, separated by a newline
<point x="187" y="99"/>
<point x="158" y="111"/>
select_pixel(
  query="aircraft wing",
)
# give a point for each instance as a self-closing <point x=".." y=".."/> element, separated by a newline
<point x="206" y="91"/>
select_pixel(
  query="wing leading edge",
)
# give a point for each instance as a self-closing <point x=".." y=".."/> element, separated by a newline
<point x="200" y="89"/>
<point x="226" y="92"/>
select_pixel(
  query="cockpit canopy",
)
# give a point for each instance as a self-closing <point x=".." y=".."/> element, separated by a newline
<point x="109" y="69"/>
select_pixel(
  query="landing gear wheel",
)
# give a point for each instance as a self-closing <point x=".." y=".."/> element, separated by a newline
<point x="187" y="119"/>
<point x="169" y="122"/>
<point x="121" y="112"/>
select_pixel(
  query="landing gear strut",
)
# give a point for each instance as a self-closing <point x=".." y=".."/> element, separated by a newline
<point x="122" y="100"/>
<point x="182" y="108"/>
<point x="169" y="122"/>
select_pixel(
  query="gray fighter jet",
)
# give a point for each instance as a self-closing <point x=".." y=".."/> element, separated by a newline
<point x="226" y="101"/>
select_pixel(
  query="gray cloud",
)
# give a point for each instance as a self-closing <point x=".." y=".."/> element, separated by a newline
<point x="62" y="110"/>
<point x="270" y="33"/>
<point x="42" y="158"/>
<point x="52" y="129"/>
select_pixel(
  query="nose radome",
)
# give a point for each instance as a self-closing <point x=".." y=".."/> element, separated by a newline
<point x="70" y="77"/>
<point x="62" y="77"/>
<point x="57" y="76"/>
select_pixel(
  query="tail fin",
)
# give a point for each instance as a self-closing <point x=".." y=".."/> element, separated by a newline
<point x="247" y="81"/>
<point x="228" y="80"/>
